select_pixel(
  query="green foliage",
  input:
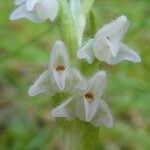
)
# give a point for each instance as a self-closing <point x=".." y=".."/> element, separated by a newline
<point x="24" y="53"/>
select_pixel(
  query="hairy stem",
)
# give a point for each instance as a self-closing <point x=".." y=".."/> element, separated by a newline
<point x="67" y="28"/>
<point x="81" y="136"/>
<point x="78" y="135"/>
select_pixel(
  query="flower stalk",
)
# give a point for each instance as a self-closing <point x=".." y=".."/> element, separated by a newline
<point x="81" y="136"/>
<point x="67" y="28"/>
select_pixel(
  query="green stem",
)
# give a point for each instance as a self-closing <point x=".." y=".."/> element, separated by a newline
<point x="67" y="28"/>
<point x="82" y="136"/>
<point x="78" y="135"/>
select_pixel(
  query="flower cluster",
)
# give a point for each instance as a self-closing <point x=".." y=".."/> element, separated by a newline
<point x="85" y="102"/>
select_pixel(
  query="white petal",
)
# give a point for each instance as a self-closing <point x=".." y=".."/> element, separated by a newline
<point x="41" y="85"/>
<point x="47" y="9"/>
<point x="60" y="78"/>
<point x="66" y="109"/>
<point x="114" y="46"/>
<point x="103" y="116"/>
<point x="41" y="10"/>
<point x="30" y="4"/>
<point x="19" y="2"/>
<point x="102" y="49"/>
<point x="73" y="79"/>
<point x="125" y="53"/>
<point x="117" y="27"/>
<point x="21" y="12"/>
<point x="81" y="87"/>
<point x="52" y="9"/>
<point x="76" y="76"/>
<point x="90" y="109"/>
<point x="59" y="55"/>
<point x="80" y="108"/>
<point x="108" y="38"/>
<point x="97" y="83"/>
<point x="86" y="51"/>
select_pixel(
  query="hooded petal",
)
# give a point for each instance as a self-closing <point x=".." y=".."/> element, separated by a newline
<point x="66" y="109"/>
<point x="90" y="109"/>
<point x="103" y="115"/>
<point x="86" y="51"/>
<point x="125" y="53"/>
<point x="117" y="27"/>
<point x="41" y="85"/>
<point x="21" y="12"/>
<point x="113" y="34"/>
<point x="97" y="83"/>
<point x="30" y="4"/>
<point x="59" y="55"/>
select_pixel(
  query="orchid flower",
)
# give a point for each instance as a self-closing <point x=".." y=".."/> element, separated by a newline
<point x="35" y="10"/>
<point x="59" y="75"/>
<point x="87" y="104"/>
<point x="107" y="46"/>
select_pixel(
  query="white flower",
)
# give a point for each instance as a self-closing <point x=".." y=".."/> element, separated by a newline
<point x="107" y="46"/>
<point x="35" y="10"/>
<point x="59" y="76"/>
<point x="87" y="104"/>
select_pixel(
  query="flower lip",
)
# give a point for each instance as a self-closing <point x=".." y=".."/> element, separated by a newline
<point x="60" y="68"/>
<point x="89" y="96"/>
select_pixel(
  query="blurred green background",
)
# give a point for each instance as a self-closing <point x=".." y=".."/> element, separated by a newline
<point x="24" y="54"/>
